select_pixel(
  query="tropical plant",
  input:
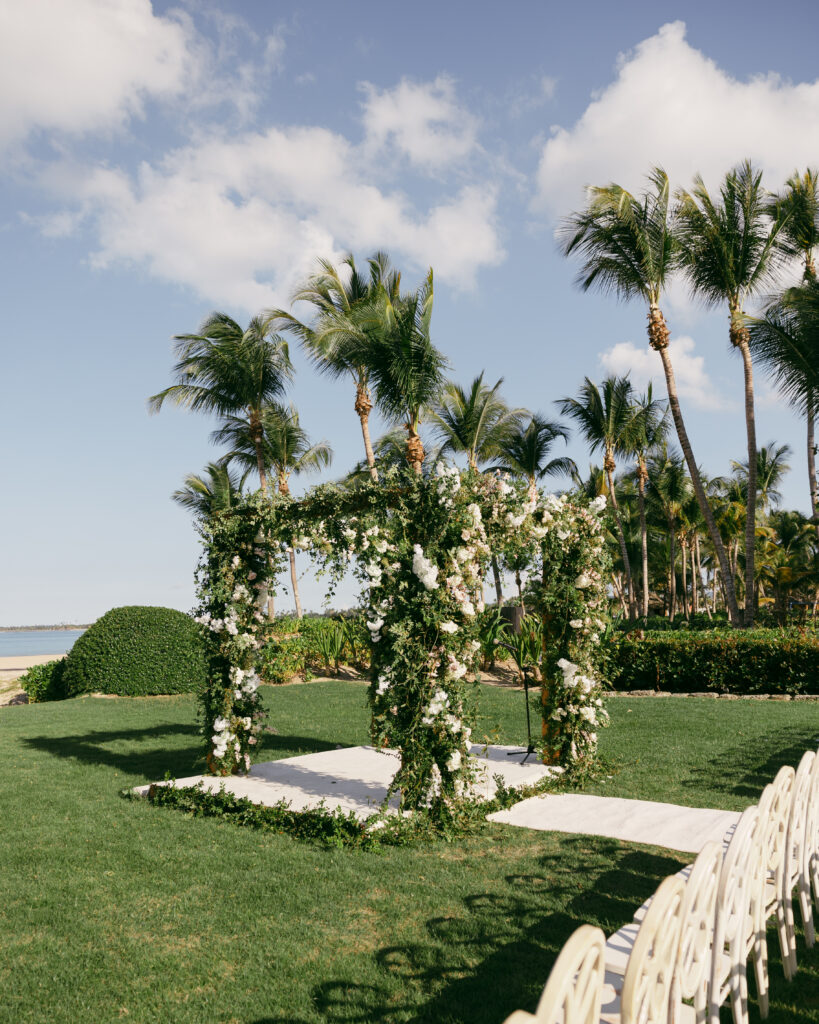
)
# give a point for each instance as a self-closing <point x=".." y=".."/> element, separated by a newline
<point x="798" y="209"/>
<point x="603" y="416"/>
<point x="286" y="449"/>
<point x="405" y="369"/>
<point x="336" y="340"/>
<point x="668" y="493"/>
<point x="474" y="421"/>
<point x="524" y="453"/>
<point x="730" y="249"/>
<point x="627" y="246"/>
<point x="231" y="371"/>
<point x="771" y="467"/>
<point x="217" y="491"/>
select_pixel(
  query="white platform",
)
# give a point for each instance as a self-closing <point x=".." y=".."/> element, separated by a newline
<point x="635" y="821"/>
<point x="355" y="778"/>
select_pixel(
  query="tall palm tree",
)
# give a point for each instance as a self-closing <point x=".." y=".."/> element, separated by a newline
<point x="230" y="370"/>
<point x="627" y="246"/>
<point x="646" y="431"/>
<point x="730" y="249"/>
<point x="217" y="491"/>
<point x="668" y="493"/>
<point x="525" y="452"/>
<point x="603" y="416"/>
<point x="475" y="421"/>
<point x="405" y="369"/>
<point x="336" y="341"/>
<point x="771" y="468"/>
<point x="785" y="340"/>
<point x="286" y="449"/>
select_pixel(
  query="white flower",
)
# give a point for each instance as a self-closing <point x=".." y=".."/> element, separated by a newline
<point x="583" y="581"/>
<point x="384" y="683"/>
<point x="468" y="608"/>
<point x="588" y="714"/>
<point x="454" y="761"/>
<point x="448" y="627"/>
<point x="576" y="623"/>
<point x="426" y="572"/>
<point x="568" y="668"/>
<point x="220" y="724"/>
<point x="598" y="504"/>
<point x="235" y="561"/>
<point x="374" y="625"/>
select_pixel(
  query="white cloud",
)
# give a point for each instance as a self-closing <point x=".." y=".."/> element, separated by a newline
<point x="87" y="65"/>
<point x="643" y="365"/>
<point x="422" y="120"/>
<point x="672" y="106"/>
<point x="241" y="220"/>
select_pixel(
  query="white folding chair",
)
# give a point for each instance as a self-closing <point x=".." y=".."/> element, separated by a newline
<point x="812" y="831"/>
<point x="643" y="994"/>
<point x="796" y="874"/>
<point x="696" y="937"/>
<point x="734" y="923"/>
<point x="574" y="991"/>
<point x="521" y="1017"/>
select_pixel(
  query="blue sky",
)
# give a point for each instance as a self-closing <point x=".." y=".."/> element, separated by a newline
<point x="159" y="162"/>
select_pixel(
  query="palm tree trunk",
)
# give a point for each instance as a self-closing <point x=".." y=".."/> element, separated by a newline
<point x="750" y="516"/>
<point x="295" y="581"/>
<point x="811" y="418"/>
<point x="641" y="502"/>
<point x="618" y="590"/>
<point x="702" y="578"/>
<point x="684" y="554"/>
<point x="658" y="337"/>
<point x="608" y="465"/>
<point x="672" y="559"/>
<point x="363" y="407"/>
<point x="415" y="449"/>
<point x="695" y="594"/>
<point x="496" y="574"/>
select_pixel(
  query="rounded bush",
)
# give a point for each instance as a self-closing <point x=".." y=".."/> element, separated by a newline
<point x="44" y="682"/>
<point x="138" y="651"/>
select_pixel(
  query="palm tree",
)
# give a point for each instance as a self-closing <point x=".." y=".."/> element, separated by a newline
<point x="628" y="246"/>
<point x="771" y="467"/>
<point x="229" y="370"/>
<point x="646" y="431"/>
<point x="603" y="416"/>
<point x="336" y="341"/>
<point x="286" y="449"/>
<point x="405" y="369"/>
<point x="476" y="421"/>
<point x="525" y="452"/>
<point x="730" y="248"/>
<point x="785" y="340"/>
<point x="798" y="209"/>
<point x="668" y="494"/>
<point x="204" y="496"/>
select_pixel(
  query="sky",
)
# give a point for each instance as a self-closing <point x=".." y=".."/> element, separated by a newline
<point x="162" y="161"/>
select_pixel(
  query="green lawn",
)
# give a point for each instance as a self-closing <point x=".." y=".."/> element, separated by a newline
<point x="114" y="910"/>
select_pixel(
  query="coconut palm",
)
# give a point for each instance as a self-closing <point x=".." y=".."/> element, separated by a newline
<point x="730" y="249"/>
<point x="603" y="416"/>
<point x="646" y="430"/>
<point x="525" y="452"/>
<point x="670" y="487"/>
<point x="798" y="208"/>
<point x="286" y="449"/>
<point x="771" y="468"/>
<point x="405" y="369"/>
<point x="336" y="340"/>
<point x="474" y="421"/>
<point x="217" y="491"/>
<point x="230" y="370"/>
<point x="627" y="246"/>
<point x="785" y="340"/>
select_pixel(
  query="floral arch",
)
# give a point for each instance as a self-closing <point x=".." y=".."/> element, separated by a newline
<point x="421" y="547"/>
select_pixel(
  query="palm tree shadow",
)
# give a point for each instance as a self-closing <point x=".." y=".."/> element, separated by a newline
<point x="744" y="769"/>
<point x="495" y="955"/>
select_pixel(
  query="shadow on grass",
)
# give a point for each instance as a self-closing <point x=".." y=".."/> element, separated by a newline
<point x="744" y="769"/>
<point x="126" y="750"/>
<point x="494" y="956"/>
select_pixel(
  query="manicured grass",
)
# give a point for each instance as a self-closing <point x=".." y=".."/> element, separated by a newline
<point x="115" y="910"/>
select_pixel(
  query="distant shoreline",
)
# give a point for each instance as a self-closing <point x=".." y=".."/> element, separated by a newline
<point x="21" y="629"/>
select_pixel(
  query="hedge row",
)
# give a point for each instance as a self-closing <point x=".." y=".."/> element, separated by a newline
<point x="779" y="661"/>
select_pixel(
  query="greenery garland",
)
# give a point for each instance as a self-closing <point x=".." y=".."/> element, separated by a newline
<point x="421" y="547"/>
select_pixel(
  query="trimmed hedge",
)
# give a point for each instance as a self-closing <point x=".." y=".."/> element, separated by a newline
<point x="138" y="651"/>
<point x="778" y="661"/>
<point x="45" y="682"/>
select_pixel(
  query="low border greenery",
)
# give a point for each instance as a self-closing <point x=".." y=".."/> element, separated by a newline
<point x="44" y="682"/>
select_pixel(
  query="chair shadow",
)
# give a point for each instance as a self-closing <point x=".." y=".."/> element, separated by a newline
<point x="494" y="956"/>
<point x="746" y="768"/>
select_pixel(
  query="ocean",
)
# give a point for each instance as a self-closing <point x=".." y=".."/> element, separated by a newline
<point x="23" y="642"/>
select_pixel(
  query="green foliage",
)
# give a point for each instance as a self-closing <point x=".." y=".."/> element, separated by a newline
<point x="775" y="661"/>
<point x="659" y="623"/>
<point x="44" y="682"/>
<point x="303" y="647"/>
<point x="138" y="651"/>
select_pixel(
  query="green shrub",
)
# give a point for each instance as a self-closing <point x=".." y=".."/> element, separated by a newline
<point x="304" y="647"/>
<point x="780" y="661"/>
<point x="699" y="621"/>
<point x="45" y="682"/>
<point x="138" y="651"/>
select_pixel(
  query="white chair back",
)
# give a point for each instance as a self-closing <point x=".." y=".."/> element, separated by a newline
<point x="796" y="872"/>
<point x="697" y="930"/>
<point x="574" y="991"/>
<point x="648" y="985"/>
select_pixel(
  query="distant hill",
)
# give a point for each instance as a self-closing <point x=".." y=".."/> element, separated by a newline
<point x="61" y="625"/>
